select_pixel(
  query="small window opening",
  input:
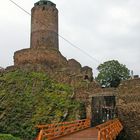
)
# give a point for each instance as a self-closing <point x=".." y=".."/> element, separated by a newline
<point x="45" y="2"/>
<point x="86" y="77"/>
<point x="43" y="8"/>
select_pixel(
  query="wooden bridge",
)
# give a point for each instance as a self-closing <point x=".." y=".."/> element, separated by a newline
<point x="80" y="130"/>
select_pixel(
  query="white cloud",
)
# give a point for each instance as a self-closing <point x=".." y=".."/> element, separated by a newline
<point x="105" y="29"/>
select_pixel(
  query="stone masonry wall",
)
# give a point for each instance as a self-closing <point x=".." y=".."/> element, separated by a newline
<point x="46" y="57"/>
<point x="129" y="108"/>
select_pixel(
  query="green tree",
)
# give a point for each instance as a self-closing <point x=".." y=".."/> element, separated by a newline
<point x="111" y="73"/>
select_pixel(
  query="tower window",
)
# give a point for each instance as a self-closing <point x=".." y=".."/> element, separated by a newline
<point x="86" y="77"/>
<point x="45" y="2"/>
<point x="43" y="8"/>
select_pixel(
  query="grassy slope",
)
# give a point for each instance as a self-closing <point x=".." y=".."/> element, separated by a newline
<point x="31" y="98"/>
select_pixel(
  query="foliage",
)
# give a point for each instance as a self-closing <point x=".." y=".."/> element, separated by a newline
<point x="31" y="98"/>
<point x="111" y="73"/>
<point x="8" y="137"/>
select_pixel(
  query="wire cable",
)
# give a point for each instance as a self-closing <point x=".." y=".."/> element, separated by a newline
<point x="20" y="7"/>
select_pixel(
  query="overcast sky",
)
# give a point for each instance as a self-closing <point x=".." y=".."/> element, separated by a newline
<point x="105" y="29"/>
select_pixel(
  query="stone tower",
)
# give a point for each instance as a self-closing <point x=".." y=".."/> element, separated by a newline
<point x="44" y="53"/>
<point x="44" y="25"/>
<point x="44" y="48"/>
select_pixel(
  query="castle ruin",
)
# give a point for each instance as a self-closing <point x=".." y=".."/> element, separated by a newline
<point x="44" y="55"/>
<point x="44" y="45"/>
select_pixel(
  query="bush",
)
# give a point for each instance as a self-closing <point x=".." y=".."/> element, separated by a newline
<point x="8" y="137"/>
<point x="31" y="98"/>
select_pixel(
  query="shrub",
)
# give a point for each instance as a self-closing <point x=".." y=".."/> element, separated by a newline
<point x="32" y="98"/>
<point x="8" y="137"/>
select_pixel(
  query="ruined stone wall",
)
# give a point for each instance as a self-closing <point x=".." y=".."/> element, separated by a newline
<point x="58" y="68"/>
<point x="1" y="69"/>
<point x="82" y="88"/>
<point x="50" y="58"/>
<point x="129" y="108"/>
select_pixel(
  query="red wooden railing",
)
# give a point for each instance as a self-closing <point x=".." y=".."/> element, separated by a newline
<point x="109" y="130"/>
<point x="52" y="131"/>
<point x="106" y="131"/>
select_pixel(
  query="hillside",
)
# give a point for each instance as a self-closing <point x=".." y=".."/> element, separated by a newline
<point x="31" y="98"/>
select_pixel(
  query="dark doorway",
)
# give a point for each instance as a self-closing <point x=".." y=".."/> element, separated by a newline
<point x="103" y="109"/>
